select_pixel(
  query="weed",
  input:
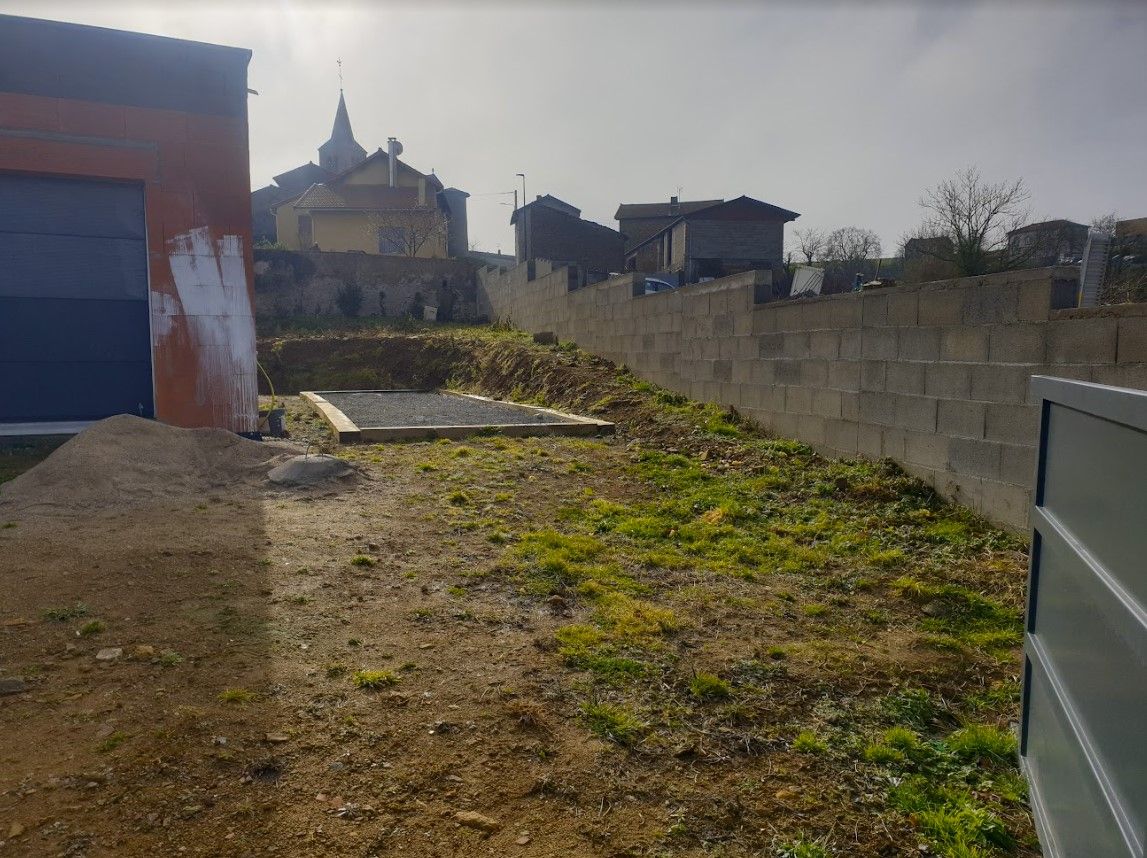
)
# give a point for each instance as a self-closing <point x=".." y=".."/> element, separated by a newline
<point x="612" y="722"/>
<point x="459" y="498"/>
<point x="299" y="599"/>
<point x="335" y="670"/>
<point x="236" y="696"/>
<point x="92" y="627"/>
<point x="776" y="653"/>
<point x="706" y="686"/>
<point x="62" y="615"/>
<point x="457" y="592"/>
<point x="372" y="680"/>
<point x="807" y="742"/>
<point x="812" y="609"/>
<point x="112" y="742"/>
<point x="362" y="560"/>
<point x="169" y="658"/>
<point x="980" y="742"/>
<point x="912" y="706"/>
<point x="354" y="642"/>
<point x="883" y="755"/>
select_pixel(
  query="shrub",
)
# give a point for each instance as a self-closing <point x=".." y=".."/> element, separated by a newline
<point x="348" y="299"/>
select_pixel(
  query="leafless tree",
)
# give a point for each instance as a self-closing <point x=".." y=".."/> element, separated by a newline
<point x="405" y="232"/>
<point x="810" y="242"/>
<point x="1106" y="222"/>
<point x="851" y="244"/>
<point x="975" y="216"/>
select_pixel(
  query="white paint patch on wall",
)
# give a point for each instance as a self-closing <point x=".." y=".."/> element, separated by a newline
<point x="211" y="281"/>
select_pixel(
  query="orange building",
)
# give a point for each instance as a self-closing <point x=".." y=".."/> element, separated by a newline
<point x="125" y="230"/>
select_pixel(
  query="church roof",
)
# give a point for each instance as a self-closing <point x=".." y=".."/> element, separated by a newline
<point x="342" y="130"/>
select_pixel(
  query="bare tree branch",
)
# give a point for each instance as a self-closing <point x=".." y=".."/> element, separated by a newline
<point x="405" y="232"/>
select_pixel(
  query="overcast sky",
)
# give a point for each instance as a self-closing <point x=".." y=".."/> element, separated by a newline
<point x="844" y="113"/>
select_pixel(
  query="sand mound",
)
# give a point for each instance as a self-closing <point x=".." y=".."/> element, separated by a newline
<point x="310" y="471"/>
<point x="127" y="461"/>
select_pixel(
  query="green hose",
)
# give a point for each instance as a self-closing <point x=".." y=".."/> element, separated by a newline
<point x="270" y="384"/>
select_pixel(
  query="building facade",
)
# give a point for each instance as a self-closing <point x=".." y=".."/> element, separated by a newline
<point x="549" y="228"/>
<point x="638" y="221"/>
<point x="125" y="229"/>
<point x="725" y="238"/>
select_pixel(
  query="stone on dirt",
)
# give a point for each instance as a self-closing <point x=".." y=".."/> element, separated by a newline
<point x="472" y="819"/>
<point x="309" y="470"/>
<point x="12" y="685"/>
<point x="109" y="653"/>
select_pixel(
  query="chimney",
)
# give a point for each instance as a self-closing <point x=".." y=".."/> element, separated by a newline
<point x="674" y="205"/>
<point x="393" y="150"/>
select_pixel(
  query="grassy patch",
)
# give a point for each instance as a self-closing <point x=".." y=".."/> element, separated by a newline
<point x="63" y="614"/>
<point x="92" y="627"/>
<point x="362" y="560"/>
<point x="706" y="686"/>
<point x="372" y="680"/>
<point x="615" y="723"/>
<point x="236" y="696"/>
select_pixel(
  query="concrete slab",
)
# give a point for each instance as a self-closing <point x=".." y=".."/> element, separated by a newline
<point x="373" y="416"/>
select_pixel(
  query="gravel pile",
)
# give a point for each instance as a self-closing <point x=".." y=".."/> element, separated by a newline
<point x="372" y="409"/>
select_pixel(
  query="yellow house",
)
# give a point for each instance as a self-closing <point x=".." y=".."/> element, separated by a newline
<point x="372" y="204"/>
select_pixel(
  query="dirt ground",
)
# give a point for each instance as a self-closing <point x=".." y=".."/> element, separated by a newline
<point x="239" y="718"/>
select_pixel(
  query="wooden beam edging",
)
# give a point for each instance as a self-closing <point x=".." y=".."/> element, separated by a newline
<point x="346" y="431"/>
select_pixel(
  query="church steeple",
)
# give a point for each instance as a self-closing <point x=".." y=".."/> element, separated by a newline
<point x="341" y="152"/>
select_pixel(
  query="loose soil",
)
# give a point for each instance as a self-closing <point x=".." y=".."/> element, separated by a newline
<point x="381" y="666"/>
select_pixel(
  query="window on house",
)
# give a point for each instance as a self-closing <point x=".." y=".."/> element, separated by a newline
<point x="392" y="239"/>
<point x="306" y="232"/>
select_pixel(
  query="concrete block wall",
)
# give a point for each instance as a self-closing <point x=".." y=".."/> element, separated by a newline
<point x="935" y="376"/>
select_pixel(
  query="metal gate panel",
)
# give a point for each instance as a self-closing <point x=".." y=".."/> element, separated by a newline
<point x="75" y="339"/>
<point x="1083" y="742"/>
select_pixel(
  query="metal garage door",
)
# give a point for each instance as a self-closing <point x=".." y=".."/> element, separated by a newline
<point x="1083" y="741"/>
<point x="74" y="327"/>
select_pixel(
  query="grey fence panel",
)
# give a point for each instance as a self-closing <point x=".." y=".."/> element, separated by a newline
<point x="1084" y="729"/>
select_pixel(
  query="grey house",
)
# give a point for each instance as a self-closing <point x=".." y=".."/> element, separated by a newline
<point x="725" y="238"/>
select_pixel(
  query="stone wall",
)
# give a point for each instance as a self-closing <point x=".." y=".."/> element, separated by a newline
<point x="935" y="376"/>
<point x="291" y="283"/>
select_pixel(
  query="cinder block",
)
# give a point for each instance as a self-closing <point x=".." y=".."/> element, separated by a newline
<point x="764" y="320"/>
<point x="798" y="400"/>
<point x="879" y="343"/>
<point x="1017" y="464"/>
<point x="763" y="372"/>
<point x="964" y="344"/>
<point x="1132" y="343"/>
<point x="795" y="345"/>
<point x="893" y="443"/>
<point x="905" y="377"/>
<point x="1013" y="424"/>
<point x="841" y="436"/>
<point x="844" y="312"/>
<point x="810" y="429"/>
<point x="869" y="441"/>
<point x="1034" y="301"/>
<point x="916" y="412"/>
<point x="1001" y="382"/>
<point x="788" y="316"/>
<point x="873" y="309"/>
<point x="961" y="418"/>
<point x="965" y="489"/>
<point x="723" y="325"/>
<point x="992" y="303"/>
<point x="941" y="306"/>
<point x="788" y="371"/>
<point x="1006" y="504"/>
<point x="903" y="307"/>
<point x="873" y="374"/>
<point x="878" y="408"/>
<point x="975" y="458"/>
<point x="844" y="374"/>
<point x="722" y="370"/>
<point x="850" y="344"/>
<point x="825" y="344"/>
<point x="786" y="425"/>
<point x="1017" y="343"/>
<point x="826" y="402"/>
<point x="948" y="380"/>
<point x="814" y="373"/>
<point x="771" y="345"/>
<point x="926" y="448"/>
<point x="920" y="344"/>
<point x="849" y="405"/>
<point x="1086" y="340"/>
<point x="1132" y="375"/>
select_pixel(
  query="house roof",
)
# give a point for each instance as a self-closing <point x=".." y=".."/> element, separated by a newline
<point x="356" y="197"/>
<point x="431" y="179"/>
<point x="550" y="202"/>
<point x="650" y="210"/>
<point x="767" y="211"/>
<point x="302" y="177"/>
<point x="1042" y="226"/>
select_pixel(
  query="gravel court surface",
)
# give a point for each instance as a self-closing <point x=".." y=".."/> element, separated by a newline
<point x="374" y="409"/>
